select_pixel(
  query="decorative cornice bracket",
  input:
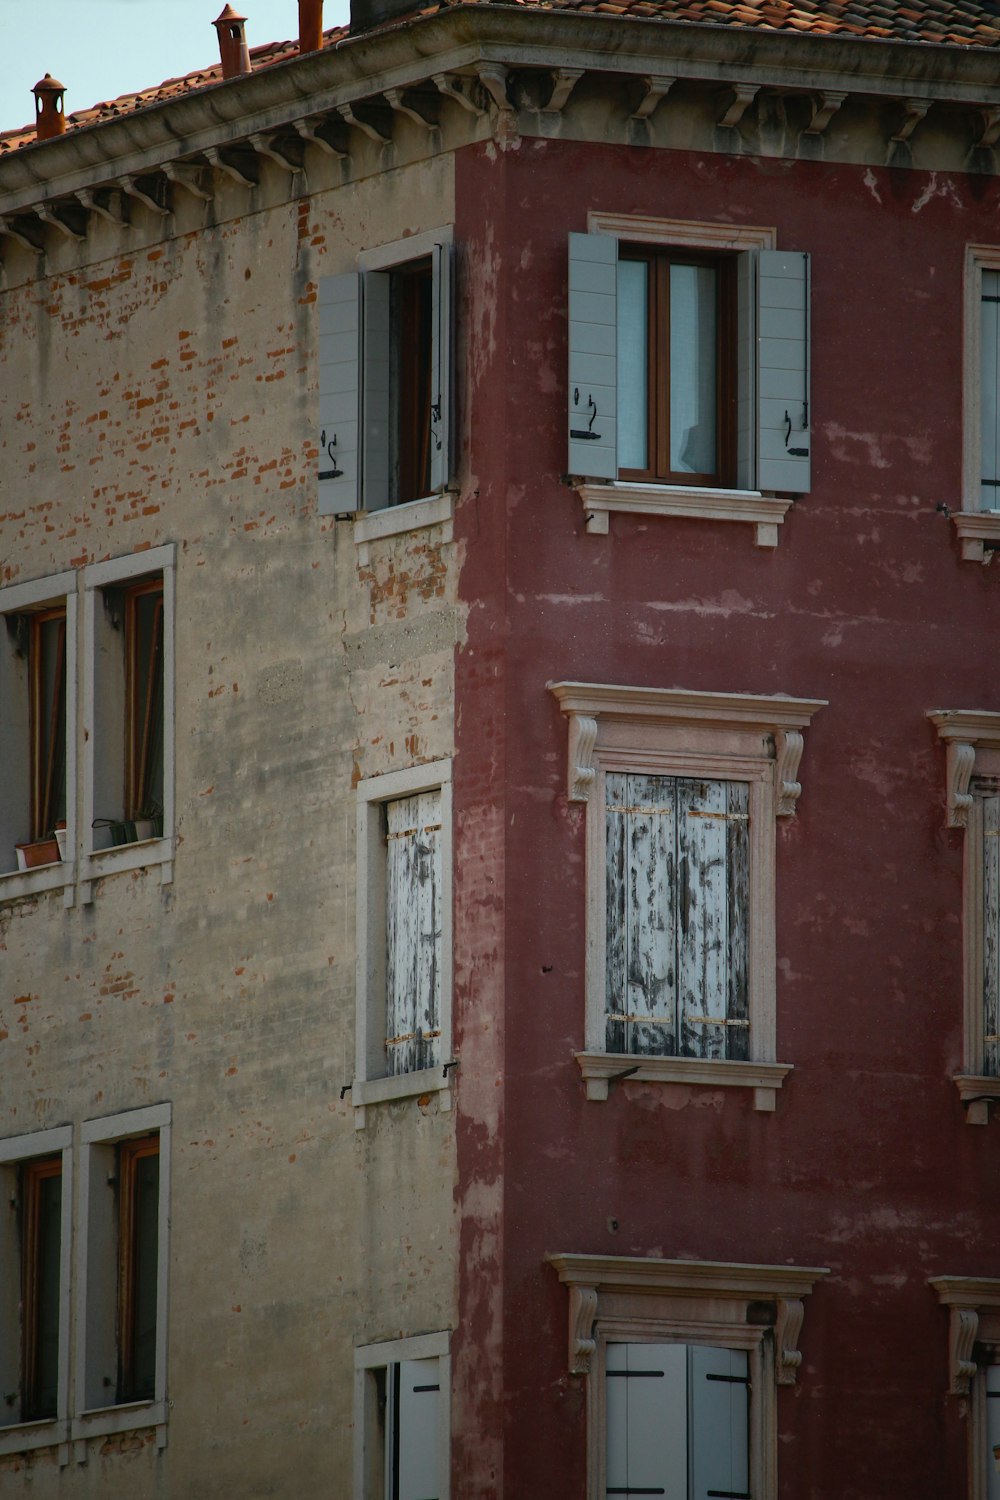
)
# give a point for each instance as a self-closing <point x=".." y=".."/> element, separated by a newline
<point x="48" y="217"/>
<point x="452" y="89"/>
<point x="493" y="77"/>
<point x="582" y="739"/>
<point x="964" y="733"/>
<point x="265" y="146"/>
<point x="394" y="98"/>
<point x="8" y="228"/>
<point x="346" y="112"/>
<point x="990" y="133"/>
<point x="107" y="210"/>
<point x="915" y="109"/>
<point x="314" y="132"/>
<point x="791" y="1312"/>
<point x="788" y="745"/>
<point x="130" y="186"/>
<point x="227" y="165"/>
<point x="970" y="1301"/>
<point x="743" y="96"/>
<point x="582" y="1316"/>
<point x="657" y="87"/>
<point x="824" y="107"/>
<point x="564" y="81"/>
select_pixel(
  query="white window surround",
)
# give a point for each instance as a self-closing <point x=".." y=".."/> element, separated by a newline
<point x="21" y="1437"/>
<point x="978" y="530"/>
<point x="16" y="597"/>
<point x="672" y="731"/>
<point x="764" y="512"/>
<point x="973" y="1304"/>
<point x="972" y="743"/>
<point x="95" y="864"/>
<point x="370" y="1085"/>
<point x="368" y="1357"/>
<point x="630" y="1299"/>
<point x="97" y="1277"/>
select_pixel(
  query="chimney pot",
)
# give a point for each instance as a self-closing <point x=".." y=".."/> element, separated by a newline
<point x="49" y="118"/>
<point x="310" y="25"/>
<point x="233" y="48"/>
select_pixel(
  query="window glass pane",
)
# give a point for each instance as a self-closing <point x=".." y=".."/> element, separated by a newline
<point x="42" y="1195"/>
<point x="633" y="375"/>
<point x="410" y="381"/>
<point x="49" y="724"/>
<point x="990" y="356"/>
<point x="146" y="798"/>
<point x="693" y="356"/>
<point x="147" y="1204"/>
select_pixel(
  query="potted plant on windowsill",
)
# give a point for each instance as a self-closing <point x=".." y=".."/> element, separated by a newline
<point x="35" y="852"/>
<point x="147" y="824"/>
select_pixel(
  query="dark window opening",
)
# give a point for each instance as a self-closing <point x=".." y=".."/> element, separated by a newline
<point x="41" y="1247"/>
<point x="138" y="1243"/>
<point x="411" y="379"/>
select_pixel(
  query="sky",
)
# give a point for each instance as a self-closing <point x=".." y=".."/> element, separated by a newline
<point x="102" y="48"/>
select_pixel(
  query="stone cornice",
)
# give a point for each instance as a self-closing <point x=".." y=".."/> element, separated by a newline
<point x="963" y="732"/>
<point x="626" y="1273"/>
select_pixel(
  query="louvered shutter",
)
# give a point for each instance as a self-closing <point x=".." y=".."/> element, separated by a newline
<point x="989" y="332"/>
<point x="441" y="367"/>
<point x="712" y="901"/>
<point x="376" y="403"/>
<point x="418" y="1397"/>
<point x="646" y="1402"/>
<point x="719" y="1392"/>
<point x="992" y="1454"/>
<point x="991" y="935"/>
<point x="339" y="394"/>
<point x="593" y="346"/>
<point x="413" y="932"/>
<point x="782" y="311"/>
<point x="746" y="370"/>
<point x="641" y="916"/>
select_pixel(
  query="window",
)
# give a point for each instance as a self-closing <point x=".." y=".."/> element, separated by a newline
<point x="128" y="714"/>
<point x="34" y="1287"/>
<point x="682" y="793"/>
<point x="122" y="1273"/>
<point x="972" y="742"/>
<point x="37" y="754"/>
<point x="978" y="522"/>
<point x="973" y="1305"/>
<point x="688" y="371"/>
<point x="404" y="934"/>
<point x="681" y="1360"/>
<point x="385" y="378"/>
<point x="402" y="1427"/>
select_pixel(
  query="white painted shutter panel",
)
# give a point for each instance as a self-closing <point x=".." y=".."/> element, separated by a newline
<point x="991" y="935"/>
<point x="713" y="901"/>
<point x="376" y="403"/>
<point x="783" y="441"/>
<point x="441" y="366"/>
<point x="990" y="391"/>
<point x="418" y="1404"/>
<point x="746" y="370"/>
<point x="646" y="1399"/>
<point x="413" y="933"/>
<point x="641" y="915"/>
<point x="719" y="1423"/>
<point x="992" y="1455"/>
<point x="339" y="393"/>
<point x="593" y="355"/>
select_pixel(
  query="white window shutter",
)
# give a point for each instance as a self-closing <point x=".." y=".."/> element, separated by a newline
<point x="641" y="921"/>
<point x="992" y="1454"/>
<point x="990" y="390"/>
<point x="719" y="1398"/>
<point x="991" y="934"/>
<point x="418" y="1395"/>
<point x="413" y="933"/>
<point x="782" y="313"/>
<point x="646" y="1401"/>
<point x="746" y="370"/>
<point x="339" y="393"/>
<point x="712" y="886"/>
<point x="441" y="367"/>
<point x="376" y="402"/>
<point x="593" y="355"/>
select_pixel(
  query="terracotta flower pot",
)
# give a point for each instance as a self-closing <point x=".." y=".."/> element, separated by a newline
<point x="38" y="852"/>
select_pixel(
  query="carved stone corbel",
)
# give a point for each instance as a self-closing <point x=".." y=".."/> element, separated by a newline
<point x="314" y="132"/>
<point x="743" y="96"/>
<point x="582" y="1314"/>
<point x="346" y="112"/>
<point x="493" y="77"/>
<point x="230" y="167"/>
<point x="990" y="133"/>
<point x="452" y="89"/>
<point x="131" y="186"/>
<point x="657" y="88"/>
<point x="564" y="81"/>
<point x="962" y="1331"/>
<point x="582" y="739"/>
<point x="266" y="145"/>
<point x="188" y="178"/>
<point x="10" y="229"/>
<point x="959" y="762"/>
<point x="394" y="98"/>
<point x="47" y="216"/>
<point x="824" y="107"/>
<point x="789" y="1325"/>
<point x="788" y="752"/>
<point x="915" y="109"/>
<point x="111" y="207"/>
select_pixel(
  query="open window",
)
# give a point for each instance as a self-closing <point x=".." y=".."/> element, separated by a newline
<point x="683" y="791"/>
<point x="402" y="1398"/>
<point x="688" y="372"/>
<point x="35" y="1181"/>
<point x="404" y="934"/>
<point x="385" y="378"/>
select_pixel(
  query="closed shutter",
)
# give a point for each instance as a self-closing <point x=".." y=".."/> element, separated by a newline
<point x="746" y="370"/>
<point x="593" y="342"/>
<point x="991" y="935"/>
<point x="990" y="393"/>
<point x="441" y="367"/>
<point x="339" y="394"/>
<point x="992" y="1455"/>
<point x="376" y="405"/>
<point x="416" y="1387"/>
<point x="783" y="441"/>
<point x="413" y="932"/>
<point x="719" y="1391"/>
<point x="677" y="908"/>
<point x="646" y="1400"/>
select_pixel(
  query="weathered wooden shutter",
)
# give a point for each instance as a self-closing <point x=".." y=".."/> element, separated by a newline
<point x="990" y="390"/>
<point x="991" y="935"/>
<point x="782" y="315"/>
<point x="413" y="932"/>
<point x="339" y="394"/>
<point x="593" y="347"/>
<point x="376" y="404"/>
<point x="646" y="1402"/>
<point x="441" y="367"/>
<point x="677" y="908"/>
<point x="417" y="1395"/>
<point x="719" y="1410"/>
<point x="991" y="1457"/>
<point x="746" y="370"/>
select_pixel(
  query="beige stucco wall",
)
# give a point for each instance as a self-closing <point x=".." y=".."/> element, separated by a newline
<point x="168" y="393"/>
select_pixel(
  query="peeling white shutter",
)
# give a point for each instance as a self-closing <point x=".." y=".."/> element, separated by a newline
<point x="641" y="917"/>
<point x="712" y="901"/>
<point x="782" y="314"/>
<point x="991" y="1457"/>
<point x="646" y="1402"/>
<point x="441" y="367"/>
<point x="990" y="391"/>
<point x="413" y="933"/>
<point x="718" y="1406"/>
<point x="991" y="935"/>
<point x="416" y="1400"/>
<point x="376" y="404"/>
<point x="339" y="393"/>
<point x="593" y="355"/>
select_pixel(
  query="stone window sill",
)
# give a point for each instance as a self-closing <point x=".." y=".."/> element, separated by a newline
<point x="979" y="532"/>
<point x="23" y="1437"/>
<point x="765" y="512"/>
<point x="400" y="1086"/>
<point x="107" y="1420"/>
<point x="122" y="857"/>
<point x="54" y="877"/>
<point x="600" y="1069"/>
<point x="977" y="1093"/>
<point x="395" y="520"/>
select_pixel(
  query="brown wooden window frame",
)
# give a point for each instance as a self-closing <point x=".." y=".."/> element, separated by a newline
<point x="142" y="679"/>
<point x="45" y="749"/>
<point x="130" y="1153"/>
<point x="412" y="313"/>
<point x="659" y="260"/>
<point x="33" y="1173"/>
